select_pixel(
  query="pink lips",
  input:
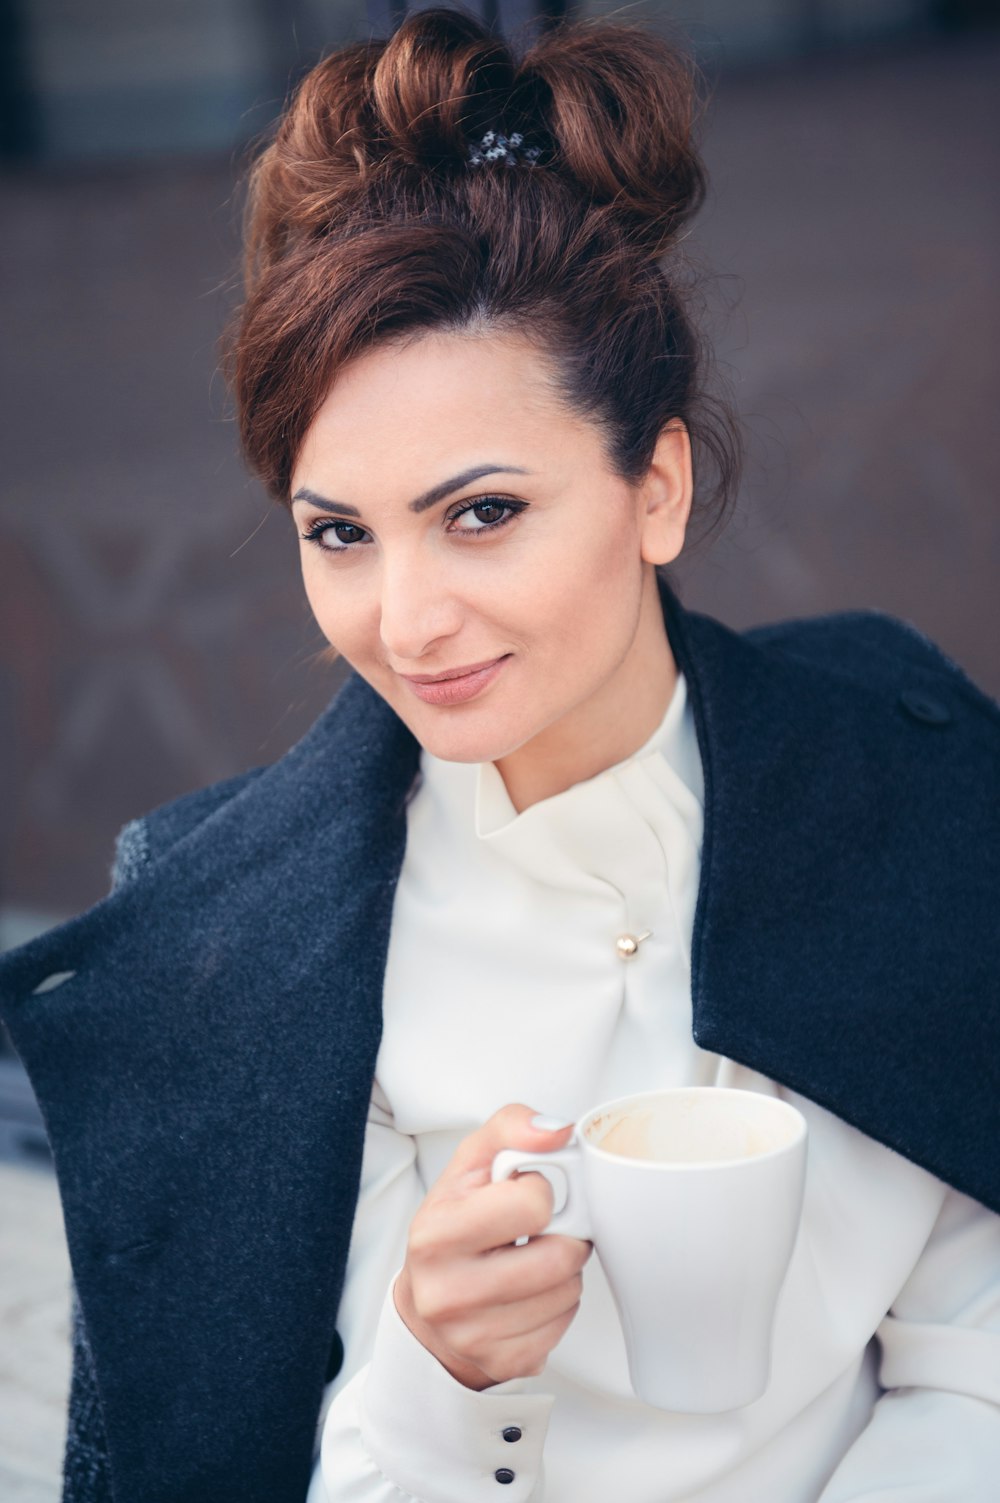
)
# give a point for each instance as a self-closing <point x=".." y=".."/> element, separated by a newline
<point x="456" y="685"/>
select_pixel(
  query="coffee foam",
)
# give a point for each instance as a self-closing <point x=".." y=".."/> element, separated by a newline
<point x="686" y="1132"/>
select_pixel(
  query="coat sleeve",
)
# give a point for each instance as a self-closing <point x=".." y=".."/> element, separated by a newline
<point x="86" y="1469"/>
<point x="86" y="1474"/>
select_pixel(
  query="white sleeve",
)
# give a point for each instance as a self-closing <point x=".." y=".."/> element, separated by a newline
<point x="934" y="1435"/>
<point x="412" y="1431"/>
<point x="395" y="1425"/>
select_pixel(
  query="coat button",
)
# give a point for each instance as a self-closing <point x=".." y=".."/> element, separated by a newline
<point x="504" y="1474"/>
<point x="51" y="982"/>
<point x="924" y="708"/>
<point x="335" y="1359"/>
<point x="512" y="1432"/>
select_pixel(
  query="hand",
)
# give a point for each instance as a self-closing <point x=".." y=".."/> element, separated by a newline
<point x="488" y="1310"/>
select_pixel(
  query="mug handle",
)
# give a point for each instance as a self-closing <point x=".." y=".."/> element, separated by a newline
<point x="563" y="1168"/>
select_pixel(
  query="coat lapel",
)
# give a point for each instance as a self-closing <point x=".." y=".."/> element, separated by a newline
<point x="846" y="940"/>
<point x="204" y="1077"/>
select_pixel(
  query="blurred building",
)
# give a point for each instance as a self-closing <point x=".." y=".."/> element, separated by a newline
<point x="109" y="79"/>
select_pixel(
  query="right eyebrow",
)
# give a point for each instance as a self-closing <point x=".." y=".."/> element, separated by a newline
<point x="341" y="507"/>
<point x="429" y="498"/>
<point x="438" y="492"/>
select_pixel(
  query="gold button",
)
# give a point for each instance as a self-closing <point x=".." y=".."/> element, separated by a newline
<point x="628" y="944"/>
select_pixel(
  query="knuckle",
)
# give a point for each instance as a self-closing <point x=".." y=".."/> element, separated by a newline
<point x="530" y="1361"/>
<point x="422" y="1305"/>
<point x="417" y="1245"/>
<point x="475" y="1342"/>
<point x="570" y="1291"/>
<point x="508" y="1115"/>
<point x="582" y="1259"/>
<point x="422" y="1240"/>
<point x="434" y="1229"/>
<point x="567" y="1259"/>
<point x="507" y="1366"/>
<point x="452" y="1308"/>
<point x="459" y="1337"/>
<point x="560" y="1325"/>
<point x="557" y="1265"/>
<point x="505" y="1129"/>
<point x="438" y="1301"/>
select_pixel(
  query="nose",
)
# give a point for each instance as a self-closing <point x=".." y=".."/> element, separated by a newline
<point x="418" y="608"/>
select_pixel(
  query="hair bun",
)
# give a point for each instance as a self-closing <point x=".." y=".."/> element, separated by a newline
<point x="440" y="81"/>
<point x="369" y="108"/>
<point x="619" y="105"/>
<point x="610" y="106"/>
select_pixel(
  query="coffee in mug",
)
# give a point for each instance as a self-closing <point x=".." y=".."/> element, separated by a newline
<point x="692" y="1198"/>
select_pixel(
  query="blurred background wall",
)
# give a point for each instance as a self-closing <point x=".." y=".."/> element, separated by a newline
<point x="153" y="635"/>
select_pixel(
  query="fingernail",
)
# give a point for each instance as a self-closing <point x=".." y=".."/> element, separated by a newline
<point x="541" y="1123"/>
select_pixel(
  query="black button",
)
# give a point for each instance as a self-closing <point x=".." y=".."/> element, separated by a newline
<point x="925" y="709"/>
<point x="335" y="1360"/>
<point x="504" y="1474"/>
<point x="512" y="1432"/>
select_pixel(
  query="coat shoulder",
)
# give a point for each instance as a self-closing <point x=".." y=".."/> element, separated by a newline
<point x="148" y="836"/>
<point x="876" y="650"/>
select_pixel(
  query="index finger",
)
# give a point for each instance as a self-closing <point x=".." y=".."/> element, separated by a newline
<point x="510" y="1127"/>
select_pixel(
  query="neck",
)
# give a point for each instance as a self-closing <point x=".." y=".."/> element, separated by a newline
<point x="609" y="726"/>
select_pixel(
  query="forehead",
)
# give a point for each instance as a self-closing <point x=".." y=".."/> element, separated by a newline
<point x="430" y="401"/>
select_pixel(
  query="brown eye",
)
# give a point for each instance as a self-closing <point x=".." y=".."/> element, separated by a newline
<point x="344" y="532"/>
<point x="488" y="511"/>
<point x="334" y="537"/>
<point x="485" y="515"/>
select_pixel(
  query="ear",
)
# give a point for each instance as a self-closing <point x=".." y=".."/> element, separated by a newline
<point x="666" y="491"/>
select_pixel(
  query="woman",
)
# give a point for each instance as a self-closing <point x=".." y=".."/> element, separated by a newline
<point x="557" y="839"/>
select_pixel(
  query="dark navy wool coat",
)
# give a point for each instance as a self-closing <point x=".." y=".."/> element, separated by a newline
<point x="203" y="1041"/>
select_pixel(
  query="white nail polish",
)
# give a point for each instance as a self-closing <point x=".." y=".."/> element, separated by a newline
<point x="541" y="1123"/>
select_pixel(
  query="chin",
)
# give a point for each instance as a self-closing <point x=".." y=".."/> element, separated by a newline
<point x="459" y="748"/>
<point x="455" y="742"/>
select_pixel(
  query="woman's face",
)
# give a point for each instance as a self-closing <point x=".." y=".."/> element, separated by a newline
<point x="468" y="551"/>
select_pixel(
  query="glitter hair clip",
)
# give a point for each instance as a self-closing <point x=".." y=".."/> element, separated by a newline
<point x="511" y="150"/>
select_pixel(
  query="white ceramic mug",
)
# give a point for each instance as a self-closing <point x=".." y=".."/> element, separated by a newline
<point x="692" y="1198"/>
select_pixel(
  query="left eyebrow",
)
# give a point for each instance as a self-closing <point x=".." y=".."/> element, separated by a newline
<point x="429" y="498"/>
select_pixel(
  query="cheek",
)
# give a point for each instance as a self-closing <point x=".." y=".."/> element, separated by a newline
<point x="343" y="608"/>
<point x="585" y="595"/>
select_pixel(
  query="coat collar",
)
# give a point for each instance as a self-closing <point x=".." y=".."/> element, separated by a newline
<point x="205" y="1073"/>
<point x="204" y="1077"/>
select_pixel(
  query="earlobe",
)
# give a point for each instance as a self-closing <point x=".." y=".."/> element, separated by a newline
<point x="667" y="488"/>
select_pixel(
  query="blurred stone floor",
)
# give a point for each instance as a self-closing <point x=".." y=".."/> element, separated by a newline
<point x="152" y="630"/>
<point x="34" y="1336"/>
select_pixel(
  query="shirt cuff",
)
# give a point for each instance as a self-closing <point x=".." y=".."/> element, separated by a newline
<point x="440" y="1441"/>
<point x="957" y="1359"/>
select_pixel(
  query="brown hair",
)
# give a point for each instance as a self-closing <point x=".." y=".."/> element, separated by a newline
<point x="366" y="222"/>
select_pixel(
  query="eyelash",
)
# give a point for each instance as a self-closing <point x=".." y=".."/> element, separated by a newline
<point x="314" y="532"/>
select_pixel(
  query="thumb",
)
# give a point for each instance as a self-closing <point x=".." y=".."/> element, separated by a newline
<point x="513" y="1126"/>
